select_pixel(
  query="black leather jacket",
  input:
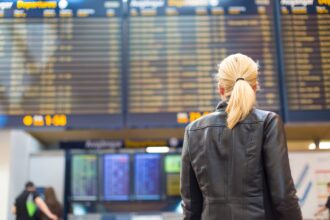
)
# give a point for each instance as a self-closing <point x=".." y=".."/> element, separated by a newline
<point x="238" y="174"/>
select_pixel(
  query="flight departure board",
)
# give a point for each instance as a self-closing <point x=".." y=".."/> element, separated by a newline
<point x="175" y="46"/>
<point x="116" y="174"/>
<point x="84" y="176"/>
<point x="147" y="176"/>
<point x="76" y="64"/>
<point x="306" y="47"/>
<point x="61" y="63"/>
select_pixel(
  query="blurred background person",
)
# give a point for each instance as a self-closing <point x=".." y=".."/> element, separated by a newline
<point x="327" y="204"/>
<point x="52" y="203"/>
<point x="27" y="204"/>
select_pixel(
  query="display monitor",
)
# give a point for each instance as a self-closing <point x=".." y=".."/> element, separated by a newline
<point x="305" y="37"/>
<point x="172" y="166"/>
<point x="174" y="48"/>
<point x="147" y="182"/>
<point x="84" y="175"/>
<point x="172" y="163"/>
<point x="61" y="64"/>
<point x="172" y="184"/>
<point x="116" y="177"/>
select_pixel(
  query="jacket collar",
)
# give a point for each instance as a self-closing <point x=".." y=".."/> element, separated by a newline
<point x="222" y="105"/>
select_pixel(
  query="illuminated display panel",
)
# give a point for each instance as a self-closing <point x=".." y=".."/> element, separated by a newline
<point x="306" y="47"/>
<point x="116" y="176"/>
<point x="173" y="184"/>
<point x="64" y="65"/>
<point x="172" y="167"/>
<point x="61" y="61"/>
<point x="175" y="46"/>
<point x="84" y="174"/>
<point x="172" y="163"/>
<point x="147" y="176"/>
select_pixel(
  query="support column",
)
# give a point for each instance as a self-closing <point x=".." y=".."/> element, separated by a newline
<point x="16" y="147"/>
<point x="4" y="173"/>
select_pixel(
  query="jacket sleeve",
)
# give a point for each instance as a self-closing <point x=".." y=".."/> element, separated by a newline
<point x="277" y="169"/>
<point x="192" y="200"/>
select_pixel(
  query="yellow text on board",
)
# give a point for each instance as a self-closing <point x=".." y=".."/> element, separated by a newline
<point x="324" y="2"/>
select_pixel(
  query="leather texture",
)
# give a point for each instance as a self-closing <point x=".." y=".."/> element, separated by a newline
<point x="237" y="174"/>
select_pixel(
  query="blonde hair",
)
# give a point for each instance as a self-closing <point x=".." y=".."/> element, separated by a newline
<point x="238" y="75"/>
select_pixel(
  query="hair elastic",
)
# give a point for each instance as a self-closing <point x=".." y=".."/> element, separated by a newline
<point x="239" y="79"/>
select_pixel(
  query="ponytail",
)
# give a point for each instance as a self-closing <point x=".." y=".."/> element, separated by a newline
<point x="238" y="75"/>
<point x="241" y="101"/>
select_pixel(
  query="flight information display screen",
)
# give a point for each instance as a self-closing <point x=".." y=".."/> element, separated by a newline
<point x="175" y="46"/>
<point x="60" y="63"/>
<point x="116" y="176"/>
<point x="173" y="184"/>
<point x="172" y="167"/>
<point x="152" y="63"/>
<point x="172" y="163"/>
<point x="84" y="175"/>
<point x="147" y="176"/>
<point x="306" y="47"/>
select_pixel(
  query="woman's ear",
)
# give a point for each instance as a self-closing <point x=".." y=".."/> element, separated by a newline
<point x="221" y="91"/>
